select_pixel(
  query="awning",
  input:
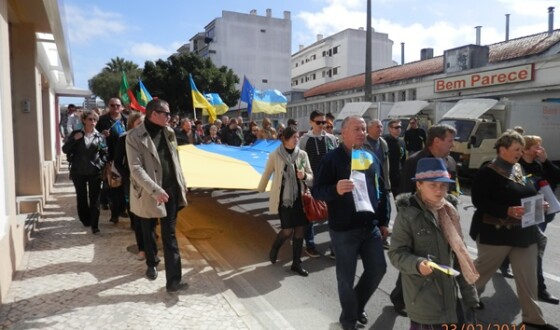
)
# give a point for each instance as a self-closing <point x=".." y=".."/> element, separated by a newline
<point x="353" y="109"/>
<point x="471" y="108"/>
<point x="407" y="108"/>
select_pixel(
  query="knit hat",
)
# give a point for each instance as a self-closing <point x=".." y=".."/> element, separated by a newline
<point x="432" y="169"/>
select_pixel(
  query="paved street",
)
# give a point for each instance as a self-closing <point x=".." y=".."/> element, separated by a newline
<point x="72" y="279"/>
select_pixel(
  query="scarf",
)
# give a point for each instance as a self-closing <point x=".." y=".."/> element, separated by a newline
<point x="290" y="179"/>
<point x="448" y="220"/>
<point x="513" y="172"/>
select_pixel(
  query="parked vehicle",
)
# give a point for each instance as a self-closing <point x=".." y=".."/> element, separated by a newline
<point x="427" y="113"/>
<point x="479" y="122"/>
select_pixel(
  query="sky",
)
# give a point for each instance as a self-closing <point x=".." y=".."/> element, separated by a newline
<point x="147" y="30"/>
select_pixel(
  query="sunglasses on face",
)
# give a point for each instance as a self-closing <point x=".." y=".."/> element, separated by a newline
<point x="115" y="105"/>
<point x="168" y="114"/>
<point x="396" y="127"/>
<point x="320" y="122"/>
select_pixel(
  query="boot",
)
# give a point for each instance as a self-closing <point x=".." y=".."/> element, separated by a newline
<point x="273" y="254"/>
<point x="296" y="263"/>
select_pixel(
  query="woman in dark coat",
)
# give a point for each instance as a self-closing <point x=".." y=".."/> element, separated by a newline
<point x="87" y="154"/>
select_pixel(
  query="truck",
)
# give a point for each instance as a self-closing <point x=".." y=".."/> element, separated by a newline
<point x="480" y="122"/>
<point x="367" y="110"/>
<point x="427" y="113"/>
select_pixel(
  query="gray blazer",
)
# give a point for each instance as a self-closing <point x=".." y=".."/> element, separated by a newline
<point x="146" y="172"/>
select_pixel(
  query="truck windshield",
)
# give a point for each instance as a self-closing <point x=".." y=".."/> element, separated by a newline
<point x="463" y="127"/>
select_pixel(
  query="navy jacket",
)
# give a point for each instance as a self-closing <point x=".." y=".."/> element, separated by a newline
<point x="335" y="166"/>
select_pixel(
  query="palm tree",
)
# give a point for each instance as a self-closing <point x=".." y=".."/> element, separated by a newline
<point x="119" y="65"/>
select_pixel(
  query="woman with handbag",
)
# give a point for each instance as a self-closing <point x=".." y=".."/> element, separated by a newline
<point x="87" y="151"/>
<point x="290" y="168"/>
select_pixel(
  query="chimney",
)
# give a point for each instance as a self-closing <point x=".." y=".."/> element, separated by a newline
<point x="301" y="47"/>
<point x="268" y="12"/>
<point x="507" y="27"/>
<point x="253" y="12"/>
<point x="478" y="34"/>
<point x="426" y="53"/>
<point x="550" y="20"/>
<point x="287" y="15"/>
<point x="319" y="37"/>
<point x="402" y="53"/>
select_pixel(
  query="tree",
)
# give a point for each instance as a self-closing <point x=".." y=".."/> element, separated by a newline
<point x="169" y="80"/>
<point x="106" y="83"/>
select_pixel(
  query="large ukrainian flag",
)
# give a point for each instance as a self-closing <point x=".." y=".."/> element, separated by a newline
<point x="225" y="167"/>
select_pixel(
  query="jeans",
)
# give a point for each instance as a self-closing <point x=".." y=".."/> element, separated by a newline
<point x="168" y="238"/>
<point x="309" y="235"/>
<point x="87" y="195"/>
<point x="367" y="243"/>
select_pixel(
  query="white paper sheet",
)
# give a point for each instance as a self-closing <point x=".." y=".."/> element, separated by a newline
<point x="533" y="210"/>
<point x="360" y="193"/>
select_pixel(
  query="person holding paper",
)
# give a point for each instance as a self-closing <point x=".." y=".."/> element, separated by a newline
<point x="497" y="191"/>
<point x="542" y="172"/>
<point x="427" y="240"/>
<point x="354" y="232"/>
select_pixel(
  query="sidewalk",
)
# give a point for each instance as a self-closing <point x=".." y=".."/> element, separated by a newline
<point x="72" y="279"/>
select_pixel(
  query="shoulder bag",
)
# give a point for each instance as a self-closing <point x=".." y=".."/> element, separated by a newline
<point x="315" y="210"/>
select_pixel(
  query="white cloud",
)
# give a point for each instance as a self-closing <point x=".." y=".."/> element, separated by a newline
<point x="146" y="51"/>
<point x="87" y="25"/>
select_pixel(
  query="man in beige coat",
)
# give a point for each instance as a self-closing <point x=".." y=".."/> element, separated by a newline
<point x="157" y="189"/>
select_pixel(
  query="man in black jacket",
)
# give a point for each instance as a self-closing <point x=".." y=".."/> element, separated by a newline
<point x="397" y="154"/>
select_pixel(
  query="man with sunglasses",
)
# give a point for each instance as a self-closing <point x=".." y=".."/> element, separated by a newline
<point x="317" y="143"/>
<point x="157" y="189"/>
<point x="397" y="154"/>
<point x="112" y="125"/>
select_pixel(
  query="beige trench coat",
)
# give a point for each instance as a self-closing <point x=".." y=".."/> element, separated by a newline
<point x="146" y="172"/>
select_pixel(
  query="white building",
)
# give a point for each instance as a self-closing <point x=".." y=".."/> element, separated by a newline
<point x="339" y="56"/>
<point x="254" y="46"/>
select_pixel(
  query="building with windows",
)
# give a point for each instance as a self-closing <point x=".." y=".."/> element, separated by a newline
<point x="35" y="70"/>
<point x="339" y="56"/>
<point x="254" y="46"/>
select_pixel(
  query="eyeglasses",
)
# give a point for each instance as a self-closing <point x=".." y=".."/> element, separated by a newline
<point x="168" y="114"/>
<point x="91" y="119"/>
<point x="115" y="105"/>
<point x="320" y="122"/>
<point x="396" y="127"/>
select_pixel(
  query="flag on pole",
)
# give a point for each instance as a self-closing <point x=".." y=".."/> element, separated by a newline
<point x="216" y="101"/>
<point x="127" y="97"/>
<point x="143" y="95"/>
<point x="361" y="160"/>
<point x="199" y="101"/>
<point x="247" y="93"/>
<point x="270" y="101"/>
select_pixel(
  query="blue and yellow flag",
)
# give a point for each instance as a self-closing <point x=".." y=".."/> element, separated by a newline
<point x="143" y="95"/>
<point x="247" y="92"/>
<point x="216" y="101"/>
<point x="199" y="101"/>
<point x="269" y="101"/>
<point x="361" y="160"/>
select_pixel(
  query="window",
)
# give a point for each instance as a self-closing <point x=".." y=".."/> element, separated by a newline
<point x="313" y="57"/>
<point x="313" y="76"/>
<point x="297" y="64"/>
<point x="263" y="30"/>
<point x="335" y="50"/>
<point x="335" y="71"/>
<point x="265" y="81"/>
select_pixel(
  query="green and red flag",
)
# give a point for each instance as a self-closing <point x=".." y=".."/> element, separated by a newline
<point x="127" y="97"/>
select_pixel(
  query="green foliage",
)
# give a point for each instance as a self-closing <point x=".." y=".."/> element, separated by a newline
<point x="169" y="80"/>
<point x="106" y="83"/>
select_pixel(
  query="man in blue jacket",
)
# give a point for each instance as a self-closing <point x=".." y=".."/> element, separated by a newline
<point x="354" y="234"/>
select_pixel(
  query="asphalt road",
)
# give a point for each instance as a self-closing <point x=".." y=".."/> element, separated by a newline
<point x="234" y="232"/>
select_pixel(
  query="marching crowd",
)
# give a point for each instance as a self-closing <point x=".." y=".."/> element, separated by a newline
<point x="131" y="163"/>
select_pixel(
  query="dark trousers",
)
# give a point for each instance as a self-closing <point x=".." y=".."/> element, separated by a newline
<point x="168" y="238"/>
<point x="348" y="246"/>
<point x="309" y="235"/>
<point x="87" y="196"/>
<point x="117" y="204"/>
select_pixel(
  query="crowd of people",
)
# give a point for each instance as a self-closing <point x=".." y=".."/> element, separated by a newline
<point x="414" y="169"/>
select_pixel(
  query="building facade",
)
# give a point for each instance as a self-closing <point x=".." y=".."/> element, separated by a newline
<point x="254" y="46"/>
<point x="339" y="56"/>
<point x="35" y="69"/>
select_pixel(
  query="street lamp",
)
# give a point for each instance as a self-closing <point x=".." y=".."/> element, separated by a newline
<point x="367" y="87"/>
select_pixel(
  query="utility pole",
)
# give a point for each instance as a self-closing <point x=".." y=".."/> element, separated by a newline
<point x="367" y="87"/>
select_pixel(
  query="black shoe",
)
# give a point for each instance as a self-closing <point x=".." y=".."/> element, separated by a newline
<point x="273" y="255"/>
<point x="94" y="230"/>
<point x="545" y="326"/>
<point x="546" y="297"/>
<point x="362" y="318"/>
<point x="298" y="269"/>
<point x="177" y="287"/>
<point x="114" y="220"/>
<point x="506" y="272"/>
<point x="400" y="309"/>
<point x="151" y="273"/>
<point x="350" y="327"/>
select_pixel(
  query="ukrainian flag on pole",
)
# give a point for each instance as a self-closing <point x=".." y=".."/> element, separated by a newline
<point x="361" y="160"/>
<point x="199" y="101"/>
